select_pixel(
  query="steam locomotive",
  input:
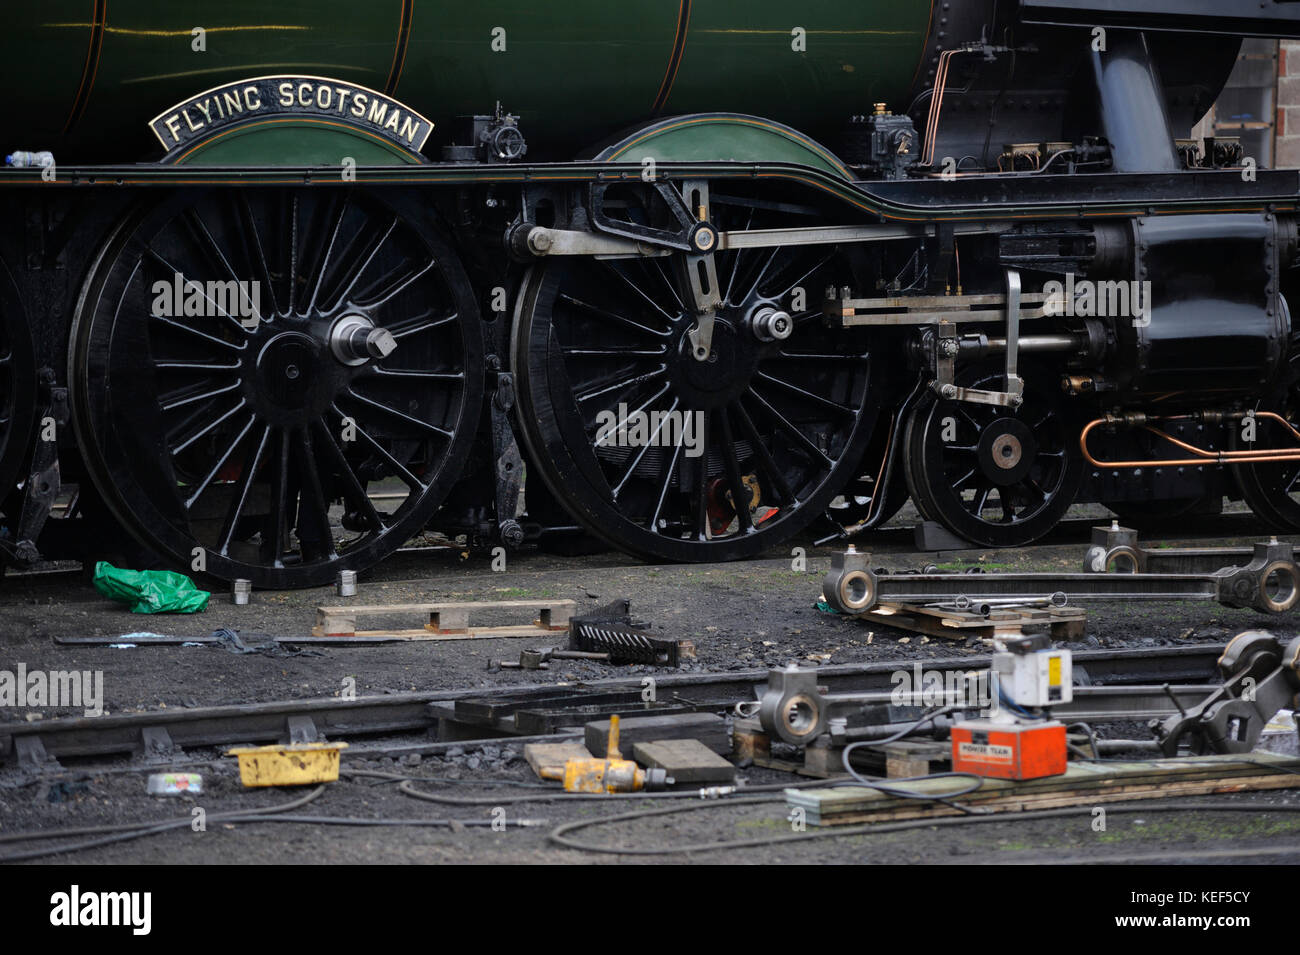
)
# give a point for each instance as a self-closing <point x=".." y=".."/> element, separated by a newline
<point x="285" y="286"/>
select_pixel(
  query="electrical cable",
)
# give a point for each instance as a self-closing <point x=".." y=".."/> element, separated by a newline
<point x="560" y="834"/>
<point x="129" y="831"/>
<point x="890" y="788"/>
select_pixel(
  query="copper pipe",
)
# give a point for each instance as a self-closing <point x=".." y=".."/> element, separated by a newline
<point x="1203" y="457"/>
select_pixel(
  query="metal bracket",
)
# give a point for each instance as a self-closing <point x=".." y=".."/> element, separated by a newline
<point x="701" y="275"/>
<point x="509" y="463"/>
<point x="31" y="755"/>
<point x="156" y="745"/>
<point x="302" y="730"/>
<point x="947" y="348"/>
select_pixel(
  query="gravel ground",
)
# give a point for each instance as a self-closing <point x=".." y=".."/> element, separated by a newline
<point x="754" y="614"/>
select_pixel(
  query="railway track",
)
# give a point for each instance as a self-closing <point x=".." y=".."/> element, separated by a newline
<point x="518" y="711"/>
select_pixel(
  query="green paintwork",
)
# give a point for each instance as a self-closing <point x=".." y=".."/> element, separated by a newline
<point x="294" y="143"/>
<point x="724" y="138"/>
<point x="576" y="72"/>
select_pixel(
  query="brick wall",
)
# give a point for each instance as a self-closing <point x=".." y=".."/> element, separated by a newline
<point x="1288" y="105"/>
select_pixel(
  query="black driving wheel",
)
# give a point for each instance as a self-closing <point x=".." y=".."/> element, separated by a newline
<point x="1273" y="490"/>
<point x="281" y="438"/>
<point x="723" y="456"/>
<point x="995" y="476"/>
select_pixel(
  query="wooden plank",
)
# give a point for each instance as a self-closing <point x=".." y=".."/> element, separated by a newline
<point x="447" y="618"/>
<point x="708" y="728"/>
<point x="961" y="625"/>
<point x="685" y="760"/>
<point x="1082" y="782"/>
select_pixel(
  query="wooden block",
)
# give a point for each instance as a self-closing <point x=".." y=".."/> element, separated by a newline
<point x="449" y="621"/>
<point x="708" y="729"/>
<point x="685" y="760"/>
<point x="748" y="741"/>
<point x="553" y="756"/>
<point x="906" y="760"/>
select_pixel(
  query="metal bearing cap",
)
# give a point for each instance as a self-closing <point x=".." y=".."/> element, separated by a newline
<point x="355" y="340"/>
<point x="850" y="587"/>
<point x="704" y="238"/>
<point x="792" y="706"/>
<point x="771" y="324"/>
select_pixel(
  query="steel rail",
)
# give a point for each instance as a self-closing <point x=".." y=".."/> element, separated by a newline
<point x="418" y="712"/>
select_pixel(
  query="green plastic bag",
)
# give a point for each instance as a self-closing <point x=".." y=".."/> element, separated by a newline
<point x="150" y="591"/>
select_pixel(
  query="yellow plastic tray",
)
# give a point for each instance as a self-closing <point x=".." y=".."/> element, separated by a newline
<point x="298" y="764"/>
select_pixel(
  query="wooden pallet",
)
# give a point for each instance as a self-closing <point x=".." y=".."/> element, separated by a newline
<point x="447" y="621"/>
<point x="1065" y="623"/>
<point x="1083" y="784"/>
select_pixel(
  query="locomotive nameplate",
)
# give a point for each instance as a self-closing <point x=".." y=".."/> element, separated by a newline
<point x="284" y="97"/>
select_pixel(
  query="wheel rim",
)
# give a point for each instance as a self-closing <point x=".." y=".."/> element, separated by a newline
<point x="783" y="422"/>
<point x="260" y="437"/>
<point x="994" y="476"/>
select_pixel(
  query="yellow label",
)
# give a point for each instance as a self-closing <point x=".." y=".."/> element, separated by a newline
<point x="1054" y="671"/>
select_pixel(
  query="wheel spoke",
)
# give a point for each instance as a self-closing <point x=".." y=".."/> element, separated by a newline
<point x="663" y="490"/>
<point x="189" y="284"/>
<point x="313" y="497"/>
<point x="805" y="394"/>
<point x="739" y="493"/>
<point x="211" y="476"/>
<point x="210" y="339"/>
<point x="381" y="372"/>
<point x="170" y="405"/>
<point x="360" y="261"/>
<point x="804" y="277"/>
<point x="277" y="531"/>
<point x="649" y="401"/>
<point x="420" y="324"/>
<point x="578" y="352"/>
<point x="193" y="366"/>
<point x="392" y="285"/>
<point x="321" y="268"/>
<point x="783" y="489"/>
<point x="762" y="273"/>
<point x="702" y="530"/>
<point x="640" y="293"/>
<point x="400" y="469"/>
<point x="208" y="428"/>
<point x="253" y="242"/>
<point x="801" y="439"/>
<point x="636" y="461"/>
<point x="613" y="317"/>
<point x="620" y="384"/>
<point x="401" y="416"/>
<point x="241" y="494"/>
<point x="292" y="273"/>
<point x="353" y="492"/>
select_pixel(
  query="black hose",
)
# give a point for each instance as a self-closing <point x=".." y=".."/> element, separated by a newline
<point x="129" y="831"/>
<point x="560" y="835"/>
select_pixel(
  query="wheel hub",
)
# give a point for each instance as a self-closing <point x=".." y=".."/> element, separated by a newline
<point x="1006" y="451"/>
<point x="718" y="379"/>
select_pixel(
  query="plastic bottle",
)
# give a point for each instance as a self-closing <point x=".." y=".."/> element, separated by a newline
<point x="24" y="159"/>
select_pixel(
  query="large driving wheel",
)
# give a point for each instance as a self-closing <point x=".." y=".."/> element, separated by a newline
<point x="776" y="424"/>
<point x="1273" y="490"/>
<point x="995" y="476"/>
<point x="282" y="439"/>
